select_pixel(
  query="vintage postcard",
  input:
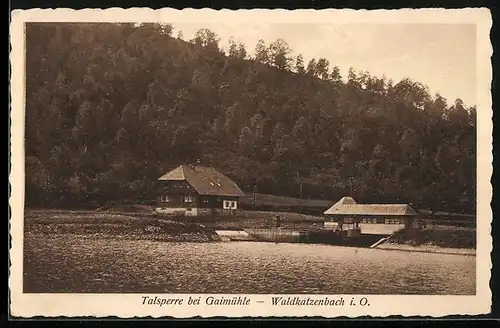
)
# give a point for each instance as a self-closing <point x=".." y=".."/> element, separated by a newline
<point x="251" y="163"/>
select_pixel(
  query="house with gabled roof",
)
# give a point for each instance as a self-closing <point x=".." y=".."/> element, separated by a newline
<point x="193" y="190"/>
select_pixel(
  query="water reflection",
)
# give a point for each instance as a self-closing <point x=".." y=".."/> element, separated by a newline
<point x="76" y="264"/>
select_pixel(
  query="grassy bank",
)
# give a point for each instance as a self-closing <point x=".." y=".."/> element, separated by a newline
<point x="96" y="224"/>
<point x="435" y="237"/>
<point x="139" y="222"/>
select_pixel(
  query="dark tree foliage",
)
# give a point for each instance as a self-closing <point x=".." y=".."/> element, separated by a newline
<point x="110" y="107"/>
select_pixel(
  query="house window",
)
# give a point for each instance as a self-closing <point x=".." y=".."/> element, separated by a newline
<point x="189" y="199"/>
<point x="229" y="204"/>
<point x="165" y="198"/>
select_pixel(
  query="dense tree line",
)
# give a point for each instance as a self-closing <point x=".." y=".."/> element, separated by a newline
<point x="110" y="107"/>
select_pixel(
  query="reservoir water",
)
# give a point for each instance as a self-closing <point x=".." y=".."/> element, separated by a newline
<point x="75" y="264"/>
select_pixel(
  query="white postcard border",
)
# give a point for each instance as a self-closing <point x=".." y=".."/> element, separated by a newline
<point x="130" y="305"/>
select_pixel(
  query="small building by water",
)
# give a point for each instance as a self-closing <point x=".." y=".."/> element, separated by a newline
<point x="194" y="190"/>
<point x="347" y="214"/>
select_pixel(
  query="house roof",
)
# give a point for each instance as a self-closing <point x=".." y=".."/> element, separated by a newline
<point x="347" y="206"/>
<point x="205" y="180"/>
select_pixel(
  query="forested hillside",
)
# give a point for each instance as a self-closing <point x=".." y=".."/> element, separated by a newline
<point x="110" y="107"/>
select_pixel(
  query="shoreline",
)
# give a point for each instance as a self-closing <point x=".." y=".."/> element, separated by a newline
<point x="432" y="249"/>
<point x="204" y="238"/>
<point x="144" y="226"/>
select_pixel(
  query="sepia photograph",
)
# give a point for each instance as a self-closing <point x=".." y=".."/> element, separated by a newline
<point x="304" y="159"/>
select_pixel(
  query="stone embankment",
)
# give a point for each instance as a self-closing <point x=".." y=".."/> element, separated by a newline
<point x="443" y="240"/>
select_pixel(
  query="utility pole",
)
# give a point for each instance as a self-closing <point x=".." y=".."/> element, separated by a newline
<point x="350" y="186"/>
<point x="300" y="185"/>
<point x="254" y="198"/>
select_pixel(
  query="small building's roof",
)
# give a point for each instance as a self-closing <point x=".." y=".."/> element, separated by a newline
<point x="205" y="180"/>
<point x="347" y="206"/>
